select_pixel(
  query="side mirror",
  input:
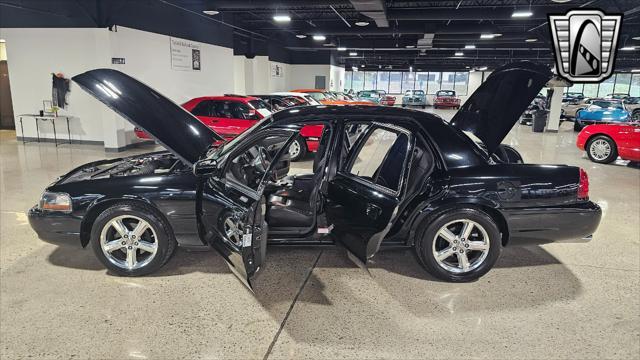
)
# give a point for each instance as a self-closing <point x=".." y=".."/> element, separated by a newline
<point x="205" y="167"/>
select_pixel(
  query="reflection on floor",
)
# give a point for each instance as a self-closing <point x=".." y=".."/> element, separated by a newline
<point x="559" y="300"/>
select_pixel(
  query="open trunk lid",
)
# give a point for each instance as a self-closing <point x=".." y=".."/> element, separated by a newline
<point x="492" y="110"/>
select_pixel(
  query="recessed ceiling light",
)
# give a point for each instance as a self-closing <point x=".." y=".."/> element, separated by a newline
<point x="466" y="67"/>
<point x="459" y="53"/>
<point x="410" y="46"/>
<point x="301" y="36"/>
<point x="319" y="37"/>
<point x="211" y="12"/>
<point x="628" y="48"/>
<point x="282" y="18"/>
<point x="362" y="65"/>
<point x="342" y="48"/>
<point x="531" y="40"/>
<point x="521" y="14"/>
<point x="469" y="46"/>
<point x="353" y="54"/>
<point x="362" y="23"/>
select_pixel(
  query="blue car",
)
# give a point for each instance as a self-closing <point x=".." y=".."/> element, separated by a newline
<point x="601" y="111"/>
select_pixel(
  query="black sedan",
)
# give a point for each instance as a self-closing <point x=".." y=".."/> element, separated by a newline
<point x="382" y="176"/>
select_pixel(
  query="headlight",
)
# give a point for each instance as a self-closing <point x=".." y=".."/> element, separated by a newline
<point x="51" y="201"/>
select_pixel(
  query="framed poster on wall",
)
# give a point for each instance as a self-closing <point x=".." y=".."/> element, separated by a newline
<point x="185" y="55"/>
<point x="276" y="70"/>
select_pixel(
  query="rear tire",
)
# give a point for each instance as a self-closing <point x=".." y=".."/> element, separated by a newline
<point x="577" y="127"/>
<point x="149" y="251"/>
<point x="481" y="249"/>
<point x="424" y="106"/>
<point x="635" y="116"/>
<point x="602" y="149"/>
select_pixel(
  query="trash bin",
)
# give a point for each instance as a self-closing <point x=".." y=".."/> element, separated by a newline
<point x="540" y="120"/>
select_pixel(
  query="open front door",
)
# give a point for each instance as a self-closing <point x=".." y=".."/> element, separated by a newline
<point x="230" y="204"/>
<point x="363" y="197"/>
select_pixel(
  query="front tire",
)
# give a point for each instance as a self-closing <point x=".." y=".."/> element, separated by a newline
<point x="576" y="126"/>
<point x="602" y="149"/>
<point x="459" y="245"/>
<point x="297" y="149"/>
<point x="635" y="116"/>
<point x="132" y="239"/>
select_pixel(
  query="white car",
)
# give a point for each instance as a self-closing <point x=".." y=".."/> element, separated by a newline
<point x="307" y="97"/>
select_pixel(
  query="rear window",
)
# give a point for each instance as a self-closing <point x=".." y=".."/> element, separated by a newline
<point x="446" y="93"/>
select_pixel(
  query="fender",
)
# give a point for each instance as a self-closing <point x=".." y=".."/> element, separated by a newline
<point x="101" y="203"/>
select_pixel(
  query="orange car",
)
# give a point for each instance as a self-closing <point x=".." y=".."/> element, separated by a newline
<point x="326" y="98"/>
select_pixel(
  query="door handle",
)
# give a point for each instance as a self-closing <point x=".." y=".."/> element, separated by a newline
<point x="373" y="211"/>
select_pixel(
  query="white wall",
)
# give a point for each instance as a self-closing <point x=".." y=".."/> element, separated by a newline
<point x="336" y="78"/>
<point x="73" y="51"/>
<point x="239" y="86"/>
<point x="304" y="76"/>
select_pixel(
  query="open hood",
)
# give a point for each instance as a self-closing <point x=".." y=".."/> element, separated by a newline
<point x="165" y="121"/>
<point x="492" y="110"/>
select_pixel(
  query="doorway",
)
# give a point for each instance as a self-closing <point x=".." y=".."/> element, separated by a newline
<point x="6" y="106"/>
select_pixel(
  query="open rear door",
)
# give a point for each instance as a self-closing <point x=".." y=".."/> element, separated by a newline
<point x="364" y="195"/>
<point x="230" y="203"/>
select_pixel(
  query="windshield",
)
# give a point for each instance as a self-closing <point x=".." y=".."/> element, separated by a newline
<point x="224" y="149"/>
<point x="415" y="92"/>
<point x="258" y="104"/>
<point x="318" y="96"/>
<point x="446" y="93"/>
<point x="607" y="104"/>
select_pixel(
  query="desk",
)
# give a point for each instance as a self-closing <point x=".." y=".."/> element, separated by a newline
<point x="51" y="118"/>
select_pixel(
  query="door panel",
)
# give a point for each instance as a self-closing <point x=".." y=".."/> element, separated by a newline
<point x="363" y="197"/>
<point x="230" y="206"/>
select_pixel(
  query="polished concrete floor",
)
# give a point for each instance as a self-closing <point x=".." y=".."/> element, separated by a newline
<point x="561" y="301"/>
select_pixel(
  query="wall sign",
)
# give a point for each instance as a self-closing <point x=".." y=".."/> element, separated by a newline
<point x="185" y="55"/>
<point x="276" y="70"/>
<point x="117" y="61"/>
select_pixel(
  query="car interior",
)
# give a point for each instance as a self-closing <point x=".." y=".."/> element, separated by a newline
<point x="373" y="154"/>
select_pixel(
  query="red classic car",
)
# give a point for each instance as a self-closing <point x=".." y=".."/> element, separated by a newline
<point x="605" y="142"/>
<point x="230" y="115"/>
<point x="446" y="98"/>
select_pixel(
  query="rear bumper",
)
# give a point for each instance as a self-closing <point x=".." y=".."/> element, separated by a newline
<point x="55" y="227"/>
<point x="574" y="223"/>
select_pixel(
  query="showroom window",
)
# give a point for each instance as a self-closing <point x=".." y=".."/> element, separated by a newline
<point x="397" y="82"/>
<point x="590" y="90"/>
<point x="408" y="81"/>
<point x="358" y="81"/>
<point x="433" y="84"/>
<point x="383" y="81"/>
<point x="606" y="87"/>
<point x="635" y="85"/>
<point x="623" y="83"/>
<point x="370" y="78"/>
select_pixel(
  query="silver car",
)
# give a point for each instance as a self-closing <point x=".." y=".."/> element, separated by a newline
<point x="414" y="98"/>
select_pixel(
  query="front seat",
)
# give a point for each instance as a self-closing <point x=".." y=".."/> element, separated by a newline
<point x="295" y="207"/>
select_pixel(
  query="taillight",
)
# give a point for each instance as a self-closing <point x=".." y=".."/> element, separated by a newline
<point x="583" y="186"/>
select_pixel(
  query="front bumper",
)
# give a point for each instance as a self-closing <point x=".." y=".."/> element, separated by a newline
<point x="55" y="227"/>
<point x="572" y="223"/>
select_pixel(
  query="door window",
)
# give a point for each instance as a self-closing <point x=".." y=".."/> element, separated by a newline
<point x="233" y="110"/>
<point x="381" y="158"/>
<point x="250" y="166"/>
<point x="203" y="108"/>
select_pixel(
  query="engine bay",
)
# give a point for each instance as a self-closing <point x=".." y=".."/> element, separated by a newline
<point x="148" y="164"/>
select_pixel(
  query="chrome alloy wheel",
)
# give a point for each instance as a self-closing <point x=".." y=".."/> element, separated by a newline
<point x="461" y="246"/>
<point x="600" y="149"/>
<point x="233" y="232"/>
<point x="128" y="242"/>
<point x="294" y="149"/>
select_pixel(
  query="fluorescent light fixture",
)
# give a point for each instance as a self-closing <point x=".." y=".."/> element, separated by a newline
<point x="341" y="48"/>
<point x="635" y="70"/>
<point x="628" y="48"/>
<point x="301" y="36"/>
<point x="362" y="23"/>
<point x="489" y="36"/>
<point x="3" y="41"/>
<point x="211" y="12"/>
<point x="354" y="68"/>
<point x="410" y="68"/>
<point x="281" y="18"/>
<point x="319" y="37"/>
<point x="531" y="40"/>
<point x="482" y="68"/>
<point x="353" y="54"/>
<point x="472" y="70"/>
<point x="410" y="46"/>
<point x="521" y="14"/>
<point x="459" y="53"/>
<point x="469" y="46"/>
